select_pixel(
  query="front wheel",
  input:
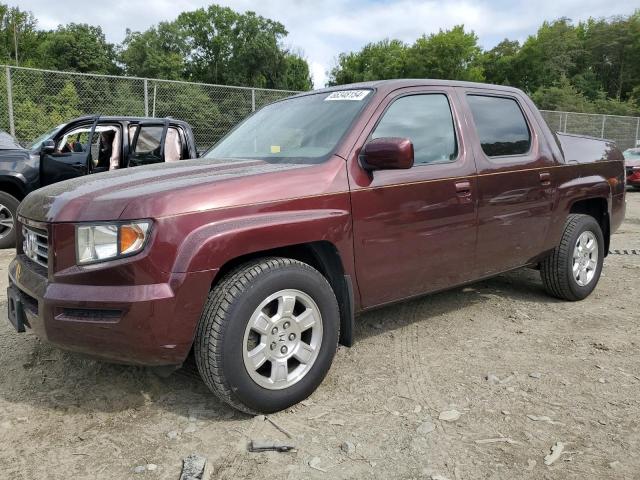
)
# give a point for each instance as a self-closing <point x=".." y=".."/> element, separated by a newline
<point x="267" y="335"/>
<point x="8" y="208"/>
<point x="573" y="269"/>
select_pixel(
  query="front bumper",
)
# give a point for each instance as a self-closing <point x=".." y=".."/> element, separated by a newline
<point x="151" y="324"/>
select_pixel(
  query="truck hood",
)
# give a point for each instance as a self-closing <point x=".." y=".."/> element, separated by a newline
<point x="149" y="191"/>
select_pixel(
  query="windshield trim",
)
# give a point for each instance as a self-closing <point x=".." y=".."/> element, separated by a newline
<point x="317" y="160"/>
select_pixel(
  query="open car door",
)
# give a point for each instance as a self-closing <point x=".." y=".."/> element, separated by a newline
<point x="148" y="143"/>
<point x="69" y="156"/>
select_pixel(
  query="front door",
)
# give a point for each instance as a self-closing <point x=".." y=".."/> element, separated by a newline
<point x="515" y="181"/>
<point x="72" y="155"/>
<point x="415" y="229"/>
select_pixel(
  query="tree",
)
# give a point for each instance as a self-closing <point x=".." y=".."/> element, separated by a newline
<point x="452" y="54"/>
<point x="549" y="56"/>
<point x="77" y="48"/>
<point x="159" y="52"/>
<point x="216" y="45"/>
<point x="297" y="75"/>
<point x="376" y="61"/>
<point x="561" y="97"/>
<point x="449" y="54"/>
<point x="18" y="36"/>
<point x="499" y="63"/>
<point x="612" y="54"/>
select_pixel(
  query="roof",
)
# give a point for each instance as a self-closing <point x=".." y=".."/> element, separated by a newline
<point x="389" y="85"/>
<point x="7" y="142"/>
<point x="118" y="118"/>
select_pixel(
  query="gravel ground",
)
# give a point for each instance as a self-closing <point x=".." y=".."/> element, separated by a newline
<point x="411" y="399"/>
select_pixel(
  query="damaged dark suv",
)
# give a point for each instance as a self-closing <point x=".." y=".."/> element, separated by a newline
<point x="84" y="146"/>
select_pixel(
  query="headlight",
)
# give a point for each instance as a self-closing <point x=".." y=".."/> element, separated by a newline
<point x="108" y="241"/>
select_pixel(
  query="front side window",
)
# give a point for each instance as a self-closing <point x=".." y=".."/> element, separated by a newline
<point x="426" y="120"/>
<point x="304" y="129"/>
<point x="74" y="140"/>
<point x="501" y="126"/>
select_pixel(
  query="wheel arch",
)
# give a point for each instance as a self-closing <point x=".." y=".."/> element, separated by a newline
<point x="598" y="208"/>
<point x="322" y="255"/>
<point x="12" y="186"/>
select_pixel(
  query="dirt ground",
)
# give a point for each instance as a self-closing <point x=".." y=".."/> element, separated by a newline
<point x="559" y="372"/>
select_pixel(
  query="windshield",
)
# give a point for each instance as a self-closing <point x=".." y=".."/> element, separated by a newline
<point x="302" y="129"/>
<point x="37" y="143"/>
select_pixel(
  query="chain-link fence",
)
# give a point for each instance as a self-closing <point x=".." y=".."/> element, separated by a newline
<point x="625" y="131"/>
<point x="33" y="101"/>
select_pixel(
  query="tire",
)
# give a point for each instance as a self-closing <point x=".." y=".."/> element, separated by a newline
<point x="223" y="340"/>
<point x="557" y="270"/>
<point x="8" y="208"/>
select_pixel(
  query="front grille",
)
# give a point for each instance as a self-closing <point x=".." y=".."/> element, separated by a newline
<point x="35" y="245"/>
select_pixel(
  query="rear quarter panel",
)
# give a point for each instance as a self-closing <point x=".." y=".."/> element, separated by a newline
<point x="593" y="168"/>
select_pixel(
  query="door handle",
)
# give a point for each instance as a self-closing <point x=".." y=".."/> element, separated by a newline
<point x="545" y="178"/>
<point x="463" y="188"/>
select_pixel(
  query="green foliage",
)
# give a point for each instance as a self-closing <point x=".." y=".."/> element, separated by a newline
<point x="376" y="61"/>
<point x="17" y="29"/>
<point x="77" y="48"/>
<point x="549" y="56"/>
<point x="561" y="97"/>
<point x="34" y="117"/>
<point x="593" y="66"/>
<point x="447" y="54"/>
<point x="159" y="52"/>
<point x="499" y="63"/>
<point x="297" y="75"/>
<point x="216" y="45"/>
<point x="210" y="45"/>
<point x="566" y="97"/>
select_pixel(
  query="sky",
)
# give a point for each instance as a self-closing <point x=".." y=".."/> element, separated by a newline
<point x="320" y="29"/>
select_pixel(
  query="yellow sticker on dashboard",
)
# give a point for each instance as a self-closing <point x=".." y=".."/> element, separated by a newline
<point x="275" y="148"/>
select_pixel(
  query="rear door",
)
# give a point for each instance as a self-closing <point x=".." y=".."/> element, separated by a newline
<point x="515" y="181"/>
<point x="72" y="156"/>
<point x="148" y="140"/>
<point x="415" y="229"/>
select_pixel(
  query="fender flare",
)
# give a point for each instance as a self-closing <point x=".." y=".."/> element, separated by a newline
<point x="215" y="244"/>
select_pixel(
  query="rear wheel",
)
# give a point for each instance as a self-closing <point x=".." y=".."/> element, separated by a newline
<point x="268" y="334"/>
<point x="8" y="208"/>
<point x="573" y="269"/>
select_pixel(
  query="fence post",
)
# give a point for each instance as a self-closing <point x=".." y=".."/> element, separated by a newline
<point x="566" y="116"/>
<point x="604" y="118"/>
<point x="155" y="86"/>
<point x="253" y="99"/>
<point x="12" y="126"/>
<point x="146" y="99"/>
<point x="637" y="132"/>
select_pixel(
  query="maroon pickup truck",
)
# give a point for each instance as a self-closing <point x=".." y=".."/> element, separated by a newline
<point x="314" y="209"/>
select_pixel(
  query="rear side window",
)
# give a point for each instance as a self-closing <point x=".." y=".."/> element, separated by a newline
<point x="149" y="139"/>
<point x="425" y="120"/>
<point x="501" y="125"/>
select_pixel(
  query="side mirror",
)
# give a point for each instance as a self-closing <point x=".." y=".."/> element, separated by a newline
<point x="48" y="146"/>
<point x="387" y="153"/>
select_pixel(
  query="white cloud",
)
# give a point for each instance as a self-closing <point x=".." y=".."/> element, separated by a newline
<point x="323" y="29"/>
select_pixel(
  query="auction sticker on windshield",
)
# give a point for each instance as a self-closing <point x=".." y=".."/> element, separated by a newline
<point x="348" y="95"/>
